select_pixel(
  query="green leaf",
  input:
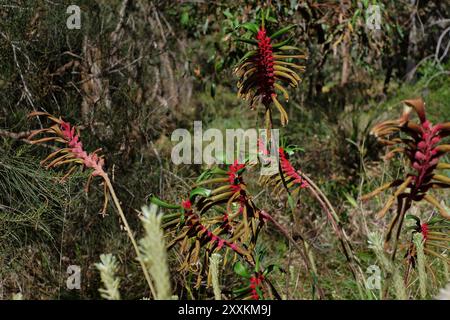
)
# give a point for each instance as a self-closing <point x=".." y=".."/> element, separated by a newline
<point x="282" y="31"/>
<point x="351" y="200"/>
<point x="213" y="90"/>
<point x="204" y="175"/>
<point x="413" y="217"/>
<point x="249" y="41"/>
<point x="217" y="170"/>
<point x="411" y="228"/>
<point x="228" y="14"/>
<point x="241" y="290"/>
<point x="239" y="269"/>
<point x="282" y="43"/>
<point x="241" y="171"/>
<point x="291" y="202"/>
<point x="185" y="18"/>
<point x="218" y="66"/>
<point x="199" y="191"/>
<point x="210" y="172"/>
<point x="272" y="268"/>
<point x="260" y="294"/>
<point x="246" y="56"/>
<point x="355" y="16"/>
<point x="435" y="220"/>
<point x="154" y="199"/>
<point x="292" y="149"/>
<point x="271" y="19"/>
<point x="267" y="13"/>
<point x="253" y="27"/>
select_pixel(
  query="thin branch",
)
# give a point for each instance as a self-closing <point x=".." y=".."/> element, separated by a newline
<point x="438" y="46"/>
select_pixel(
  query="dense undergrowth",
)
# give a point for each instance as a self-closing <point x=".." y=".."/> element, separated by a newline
<point x="130" y="77"/>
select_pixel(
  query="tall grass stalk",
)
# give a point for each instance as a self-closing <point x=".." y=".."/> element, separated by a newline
<point x="421" y="264"/>
<point x="153" y="252"/>
<point x="214" y="261"/>
<point x="108" y="269"/>
<point x="376" y="244"/>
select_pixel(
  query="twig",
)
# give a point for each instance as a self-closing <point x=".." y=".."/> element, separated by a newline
<point x="15" y="135"/>
<point x="411" y="73"/>
<point x="435" y="76"/>
<point x="24" y="83"/>
<point x="115" y="34"/>
<point x="438" y="46"/>
<point x="178" y="178"/>
<point x="23" y="136"/>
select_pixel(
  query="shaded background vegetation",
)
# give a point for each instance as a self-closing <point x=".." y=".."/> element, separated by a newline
<point x="136" y="70"/>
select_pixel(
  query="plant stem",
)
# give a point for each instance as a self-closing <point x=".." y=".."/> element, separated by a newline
<point x="405" y="205"/>
<point x="302" y="252"/>
<point x="333" y="217"/>
<point x="129" y="232"/>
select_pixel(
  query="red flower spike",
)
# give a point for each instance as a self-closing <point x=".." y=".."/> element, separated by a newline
<point x="73" y="152"/>
<point x="255" y="283"/>
<point x="186" y="204"/>
<point x="193" y="221"/>
<point x="91" y="160"/>
<point x="422" y="146"/>
<point x="424" y="230"/>
<point x="263" y="70"/>
<point x="290" y="171"/>
<point x="234" y="177"/>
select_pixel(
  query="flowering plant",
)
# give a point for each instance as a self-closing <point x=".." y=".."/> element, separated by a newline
<point x="72" y="153"/>
<point x="421" y="144"/>
<point x="262" y="71"/>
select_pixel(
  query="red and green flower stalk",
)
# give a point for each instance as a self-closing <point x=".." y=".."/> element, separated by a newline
<point x="256" y="286"/>
<point x="435" y="236"/>
<point x="203" y="233"/>
<point x="292" y="180"/>
<point x="72" y="153"/>
<point x="265" y="73"/>
<point x="262" y="71"/>
<point x="424" y="231"/>
<point x="235" y="176"/>
<point x="421" y="144"/>
<point x="237" y="185"/>
<point x="288" y="169"/>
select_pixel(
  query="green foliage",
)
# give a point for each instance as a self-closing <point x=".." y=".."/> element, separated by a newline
<point x="131" y="76"/>
<point x="31" y="198"/>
